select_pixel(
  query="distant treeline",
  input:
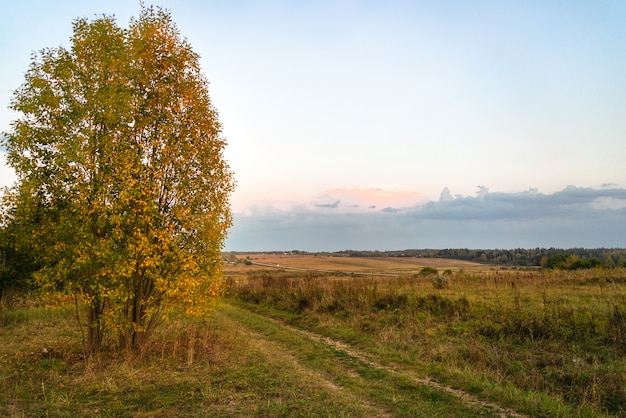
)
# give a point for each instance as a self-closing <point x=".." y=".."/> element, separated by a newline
<point x="571" y="258"/>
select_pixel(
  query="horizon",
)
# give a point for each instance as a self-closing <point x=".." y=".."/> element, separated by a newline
<point x="349" y="250"/>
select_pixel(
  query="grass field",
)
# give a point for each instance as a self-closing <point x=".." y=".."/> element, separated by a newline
<point x="386" y="265"/>
<point x="347" y="337"/>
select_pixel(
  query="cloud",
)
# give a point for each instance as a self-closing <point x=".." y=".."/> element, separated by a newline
<point x="572" y="217"/>
<point x="608" y="203"/>
<point x="333" y="205"/>
<point x="572" y="202"/>
<point x="391" y="210"/>
<point x="369" y="196"/>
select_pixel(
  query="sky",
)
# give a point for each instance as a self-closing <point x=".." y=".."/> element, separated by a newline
<point x="399" y="124"/>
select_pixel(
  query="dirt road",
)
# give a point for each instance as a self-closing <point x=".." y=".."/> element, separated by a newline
<point x="378" y="389"/>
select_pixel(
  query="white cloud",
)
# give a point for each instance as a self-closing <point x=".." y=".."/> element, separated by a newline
<point x="608" y="203"/>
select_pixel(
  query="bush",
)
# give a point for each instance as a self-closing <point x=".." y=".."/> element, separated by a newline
<point x="427" y="271"/>
<point x="440" y="281"/>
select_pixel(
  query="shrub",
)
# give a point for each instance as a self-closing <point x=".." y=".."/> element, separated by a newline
<point x="427" y="271"/>
<point x="440" y="281"/>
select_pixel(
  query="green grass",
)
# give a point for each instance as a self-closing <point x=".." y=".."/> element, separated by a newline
<point x="356" y="377"/>
<point x="238" y="363"/>
<point x="214" y="368"/>
<point x="300" y="344"/>
<point x="547" y="343"/>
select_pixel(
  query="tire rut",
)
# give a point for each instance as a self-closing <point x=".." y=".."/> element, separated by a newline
<point x="267" y="345"/>
<point x="468" y="398"/>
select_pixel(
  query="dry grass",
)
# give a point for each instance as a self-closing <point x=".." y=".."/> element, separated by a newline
<point x="235" y="364"/>
<point x="386" y="265"/>
<point x="542" y="343"/>
<point x="191" y="368"/>
<point x="545" y="341"/>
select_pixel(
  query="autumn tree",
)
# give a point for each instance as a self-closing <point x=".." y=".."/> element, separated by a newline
<point x="122" y="184"/>
<point x="17" y="264"/>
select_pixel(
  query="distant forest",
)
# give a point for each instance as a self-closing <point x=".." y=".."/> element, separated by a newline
<point x="572" y="258"/>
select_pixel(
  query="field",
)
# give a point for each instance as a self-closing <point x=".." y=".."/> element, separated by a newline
<point x="305" y="335"/>
<point x="382" y="265"/>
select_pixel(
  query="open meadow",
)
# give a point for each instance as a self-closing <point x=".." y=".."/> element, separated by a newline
<point x="314" y="335"/>
<point x="345" y="264"/>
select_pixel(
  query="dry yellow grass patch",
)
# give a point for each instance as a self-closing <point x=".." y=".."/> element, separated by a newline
<point x="386" y="265"/>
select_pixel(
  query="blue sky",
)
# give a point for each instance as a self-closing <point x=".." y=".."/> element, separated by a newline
<point x="397" y="124"/>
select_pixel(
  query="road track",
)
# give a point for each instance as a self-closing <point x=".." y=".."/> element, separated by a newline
<point x="354" y="362"/>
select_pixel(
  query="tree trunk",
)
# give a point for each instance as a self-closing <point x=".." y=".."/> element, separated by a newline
<point x="94" y="327"/>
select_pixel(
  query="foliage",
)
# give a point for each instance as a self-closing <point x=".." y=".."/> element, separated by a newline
<point x="522" y="257"/>
<point x="17" y="264"/>
<point x="564" y="261"/>
<point x="427" y="271"/>
<point x="122" y="186"/>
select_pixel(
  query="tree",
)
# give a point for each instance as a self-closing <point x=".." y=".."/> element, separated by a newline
<point x="17" y="264"/>
<point x="122" y="182"/>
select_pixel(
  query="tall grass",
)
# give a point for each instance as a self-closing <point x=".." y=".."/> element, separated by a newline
<point x="562" y="334"/>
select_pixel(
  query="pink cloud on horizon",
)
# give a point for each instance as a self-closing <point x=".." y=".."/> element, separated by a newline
<point x="372" y="195"/>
